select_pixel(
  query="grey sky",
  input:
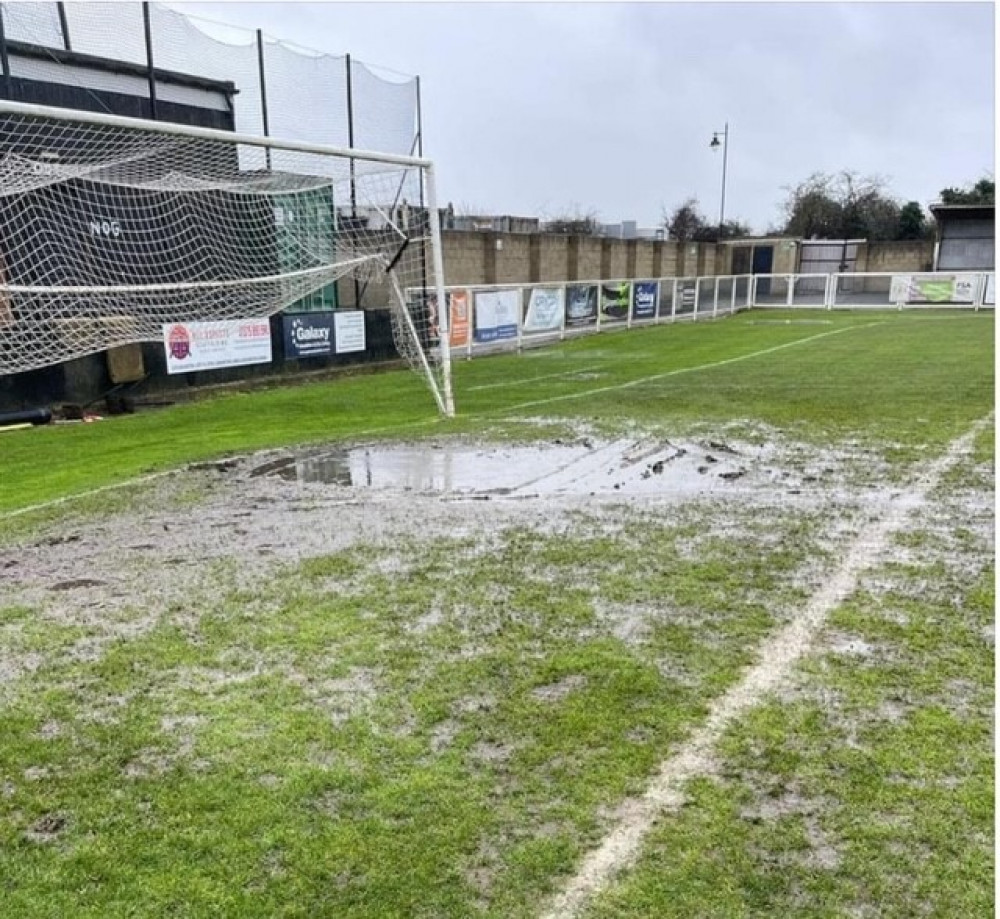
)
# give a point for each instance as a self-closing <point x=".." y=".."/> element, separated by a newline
<point x="550" y="108"/>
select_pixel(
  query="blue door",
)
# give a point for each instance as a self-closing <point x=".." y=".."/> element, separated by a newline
<point x="763" y="261"/>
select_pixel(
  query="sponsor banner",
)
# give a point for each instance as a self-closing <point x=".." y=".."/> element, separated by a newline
<point x="615" y="300"/>
<point x="349" y="331"/>
<point x="210" y="345"/>
<point x="581" y="304"/>
<point x="990" y="295"/>
<point x="545" y="310"/>
<point x="458" y="301"/>
<point x="496" y="314"/>
<point x="645" y="299"/>
<point x="308" y="335"/>
<point x="686" y="291"/>
<point x="932" y="288"/>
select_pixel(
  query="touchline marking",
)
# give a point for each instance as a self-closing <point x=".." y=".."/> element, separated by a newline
<point x="547" y="376"/>
<point x="672" y="373"/>
<point x="776" y="660"/>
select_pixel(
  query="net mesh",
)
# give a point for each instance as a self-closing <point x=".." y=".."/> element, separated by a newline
<point x="110" y="232"/>
<point x="306" y="90"/>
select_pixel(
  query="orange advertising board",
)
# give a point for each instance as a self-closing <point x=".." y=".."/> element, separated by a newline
<point x="459" y="302"/>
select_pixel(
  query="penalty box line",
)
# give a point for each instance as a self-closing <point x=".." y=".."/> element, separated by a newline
<point x="776" y="660"/>
<point x="614" y="387"/>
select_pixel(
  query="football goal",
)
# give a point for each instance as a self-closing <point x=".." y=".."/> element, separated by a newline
<point x="114" y="230"/>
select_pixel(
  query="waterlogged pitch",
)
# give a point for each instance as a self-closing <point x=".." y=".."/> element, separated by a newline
<point x="684" y="621"/>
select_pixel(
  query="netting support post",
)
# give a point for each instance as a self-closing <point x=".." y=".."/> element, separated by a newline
<point x="64" y="25"/>
<point x="437" y="264"/>
<point x="147" y="30"/>
<point x="354" y="190"/>
<point x="4" y="58"/>
<point x="263" y="94"/>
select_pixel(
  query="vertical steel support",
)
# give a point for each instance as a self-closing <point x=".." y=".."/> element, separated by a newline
<point x="261" y="70"/>
<point x="354" y="190"/>
<point x="149" y="60"/>
<point x="444" y="320"/>
<point x="64" y="25"/>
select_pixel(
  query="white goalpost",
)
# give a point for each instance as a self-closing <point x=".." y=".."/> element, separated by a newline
<point x="112" y="228"/>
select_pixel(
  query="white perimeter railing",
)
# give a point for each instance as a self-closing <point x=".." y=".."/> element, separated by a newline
<point x="486" y="317"/>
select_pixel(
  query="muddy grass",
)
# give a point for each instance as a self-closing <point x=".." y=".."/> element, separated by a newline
<point x="418" y="624"/>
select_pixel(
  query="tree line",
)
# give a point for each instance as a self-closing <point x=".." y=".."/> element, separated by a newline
<point x="832" y="206"/>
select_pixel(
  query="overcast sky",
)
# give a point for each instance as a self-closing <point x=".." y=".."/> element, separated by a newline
<point x="550" y="108"/>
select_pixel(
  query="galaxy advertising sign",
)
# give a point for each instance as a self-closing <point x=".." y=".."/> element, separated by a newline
<point x="308" y="335"/>
<point x="645" y="298"/>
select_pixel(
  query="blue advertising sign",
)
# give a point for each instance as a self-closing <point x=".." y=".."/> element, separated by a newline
<point x="308" y="335"/>
<point x="496" y="313"/>
<point x="645" y="297"/>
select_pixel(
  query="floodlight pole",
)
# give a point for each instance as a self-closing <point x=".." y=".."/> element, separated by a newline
<point x="725" y="157"/>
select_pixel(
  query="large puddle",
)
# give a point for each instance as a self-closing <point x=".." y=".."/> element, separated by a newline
<point x="585" y="468"/>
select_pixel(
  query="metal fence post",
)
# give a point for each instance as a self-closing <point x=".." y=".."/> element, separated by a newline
<point x="263" y="95"/>
<point x="64" y="25"/>
<point x="149" y="60"/>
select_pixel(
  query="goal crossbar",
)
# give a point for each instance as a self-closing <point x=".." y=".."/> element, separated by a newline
<point x="31" y="110"/>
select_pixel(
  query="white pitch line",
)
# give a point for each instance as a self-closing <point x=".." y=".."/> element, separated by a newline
<point x="672" y="373"/>
<point x="776" y="660"/>
<point x="547" y="376"/>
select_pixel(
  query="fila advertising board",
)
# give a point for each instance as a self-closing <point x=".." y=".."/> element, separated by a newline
<point x="194" y="346"/>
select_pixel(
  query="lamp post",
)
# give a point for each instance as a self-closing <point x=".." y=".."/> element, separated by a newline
<point x="715" y="144"/>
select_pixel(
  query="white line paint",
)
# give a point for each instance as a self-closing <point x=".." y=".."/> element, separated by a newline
<point x="672" y="373"/>
<point x="547" y="376"/>
<point x="776" y="661"/>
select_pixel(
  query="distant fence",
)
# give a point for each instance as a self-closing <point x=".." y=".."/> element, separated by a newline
<point x="513" y="316"/>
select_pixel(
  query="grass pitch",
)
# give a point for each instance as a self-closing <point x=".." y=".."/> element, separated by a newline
<point x="226" y="696"/>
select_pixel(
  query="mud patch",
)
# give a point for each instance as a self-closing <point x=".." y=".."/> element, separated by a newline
<point x="47" y="829"/>
<point x="556" y="692"/>
<point x="76" y="583"/>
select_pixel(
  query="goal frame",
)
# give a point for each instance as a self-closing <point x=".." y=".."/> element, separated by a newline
<point x="425" y="167"/>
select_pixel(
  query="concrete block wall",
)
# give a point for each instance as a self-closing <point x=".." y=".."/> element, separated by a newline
<point x="588" y="267"/>
<point x="530" y="258"/>
<point x="644" y="259"/>
<point x="553" y="254"/>
<point x="512" y="258"/>
<point x="463" y="257"/>
<point x="902" y="255"/>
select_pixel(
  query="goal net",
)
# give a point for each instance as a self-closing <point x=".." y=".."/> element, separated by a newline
<point x="113" y="229"/>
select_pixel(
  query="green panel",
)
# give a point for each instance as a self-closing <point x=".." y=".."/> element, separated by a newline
<point x="305" y="230"/>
